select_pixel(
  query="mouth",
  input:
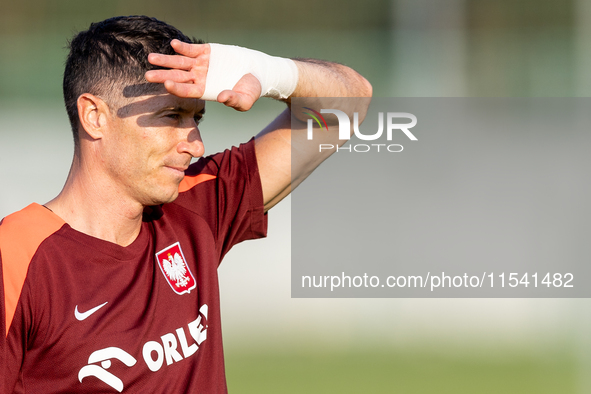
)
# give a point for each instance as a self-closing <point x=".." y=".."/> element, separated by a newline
<point x="178" y="170"/>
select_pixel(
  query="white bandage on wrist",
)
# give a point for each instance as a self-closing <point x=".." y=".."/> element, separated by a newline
<point x="228" y="63"/>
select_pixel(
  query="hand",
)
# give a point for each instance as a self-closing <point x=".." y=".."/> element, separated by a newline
<point x="188" y="74"/>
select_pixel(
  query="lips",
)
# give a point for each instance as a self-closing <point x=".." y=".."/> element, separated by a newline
<point x="179" y="171"/>
<point x="178" y="168"/>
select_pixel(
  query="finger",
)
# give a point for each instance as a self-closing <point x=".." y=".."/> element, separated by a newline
<point x="249" y="85"/>
<point x="171" y="61"/>
<point x="244" y="94"/>
<point x="185" y="90"/>
<point x="238" y="101"/>
<point x="160" y="76"/>
<point x="191" y="50"/>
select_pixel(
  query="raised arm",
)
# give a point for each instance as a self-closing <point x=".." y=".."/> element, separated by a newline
<point x="191" y="73"/>
<point x="280" y="171"/>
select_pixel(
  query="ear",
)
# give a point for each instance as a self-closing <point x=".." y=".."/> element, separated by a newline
<point x="93" y="114"/>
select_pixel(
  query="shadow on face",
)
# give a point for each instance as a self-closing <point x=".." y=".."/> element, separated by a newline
<point x="150" y="108"/>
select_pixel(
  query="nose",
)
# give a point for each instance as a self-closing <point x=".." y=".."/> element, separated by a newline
<point x="193" y="144"/>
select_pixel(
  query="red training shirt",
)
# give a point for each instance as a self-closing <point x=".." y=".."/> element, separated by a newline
<point x="89" y="316"/>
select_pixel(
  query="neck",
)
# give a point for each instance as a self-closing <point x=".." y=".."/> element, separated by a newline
<point x="91" y="205"/>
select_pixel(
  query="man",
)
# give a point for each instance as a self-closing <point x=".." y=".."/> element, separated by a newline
<point x="112" y="286"/>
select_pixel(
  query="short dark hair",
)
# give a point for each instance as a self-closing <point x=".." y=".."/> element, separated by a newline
<point x="112" y="55"/>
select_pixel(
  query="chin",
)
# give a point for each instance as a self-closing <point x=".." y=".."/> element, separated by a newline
<point x="163" y="198"/>
<point x="170" y="198"/>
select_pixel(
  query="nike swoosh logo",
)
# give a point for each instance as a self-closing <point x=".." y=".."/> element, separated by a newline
<point x="84" y="315"/>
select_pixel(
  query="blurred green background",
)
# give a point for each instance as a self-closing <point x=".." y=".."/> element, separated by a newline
<point x="275" y="344"/>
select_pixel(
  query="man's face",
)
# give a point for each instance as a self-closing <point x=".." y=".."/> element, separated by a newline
<point x="150" y="142"/>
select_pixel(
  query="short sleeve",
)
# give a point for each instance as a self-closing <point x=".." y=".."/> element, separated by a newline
<point x="11" y="348"/>
<point x="225" y="190"/>
<point x="3" y="374"/>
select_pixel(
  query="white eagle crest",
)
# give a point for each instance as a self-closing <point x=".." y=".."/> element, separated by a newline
<point x="175" y="269"/>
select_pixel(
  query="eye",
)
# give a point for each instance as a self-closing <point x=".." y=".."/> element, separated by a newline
<point x="173" y="116"/>
<point x="198" y="118"/>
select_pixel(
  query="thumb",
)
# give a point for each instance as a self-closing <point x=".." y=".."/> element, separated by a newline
<point x="238" y="101"/>
<point x="244" y="94"/>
